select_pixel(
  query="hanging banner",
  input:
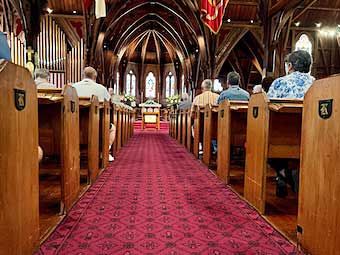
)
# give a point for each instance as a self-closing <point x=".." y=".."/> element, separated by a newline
<point x="212" y="12"/>
<point x="100" y="9"/>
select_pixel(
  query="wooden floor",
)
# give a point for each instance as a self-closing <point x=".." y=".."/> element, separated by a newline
<point x="280" y="212"/>
<point x="49" y="198"/>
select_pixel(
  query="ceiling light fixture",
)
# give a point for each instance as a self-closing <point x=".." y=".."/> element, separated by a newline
<point x="228" y="20"/>
<point x="318" y="24"/>
<point x="49" y="10"/>
<point x="74" y="12"/>
<point x="297" y="24"/>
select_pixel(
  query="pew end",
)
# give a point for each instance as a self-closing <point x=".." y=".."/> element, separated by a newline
<point x="19" y="221"/>
<point x="319" y="194"/>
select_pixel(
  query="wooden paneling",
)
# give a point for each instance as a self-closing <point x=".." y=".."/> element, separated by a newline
<point x="19" y="209"/>
<point x="70" y="148"/>
<point x="273" y="131"/>
<point x="93" y="139"/>
<point x="105" y="133"/>
<point x="257" y="151"/>
<point x="319" y="194"/>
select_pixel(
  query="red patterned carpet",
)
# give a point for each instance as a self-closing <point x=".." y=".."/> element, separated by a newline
<point x="157" y="199"/>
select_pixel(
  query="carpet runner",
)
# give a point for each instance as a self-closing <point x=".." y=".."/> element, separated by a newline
<point x="156" y="198"/>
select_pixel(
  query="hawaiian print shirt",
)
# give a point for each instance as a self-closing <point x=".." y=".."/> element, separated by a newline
<point x="293" y="85"/>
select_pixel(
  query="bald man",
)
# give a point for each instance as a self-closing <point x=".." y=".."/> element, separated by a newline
<point x="88" y="87"/>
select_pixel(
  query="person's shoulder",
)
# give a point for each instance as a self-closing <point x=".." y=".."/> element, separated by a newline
<point x="281" y="81"/>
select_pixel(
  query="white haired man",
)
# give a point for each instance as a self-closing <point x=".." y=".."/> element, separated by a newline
<point x="206" y="97"/>
<point x="88" y="87"/>
<point x="42" y="79"/>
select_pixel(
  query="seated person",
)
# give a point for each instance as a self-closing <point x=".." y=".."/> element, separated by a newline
<point x="294" y="85"/>
<point x="42" y="77"/>
<point x="207" y="97"/>
<point x="298" y="79"/>
<point x="233" y="90"/>
<point x="264" y="86"/>
<point x="5" y="51"/>
<point x="88" y="87"/>
<point x="185" y="102"/>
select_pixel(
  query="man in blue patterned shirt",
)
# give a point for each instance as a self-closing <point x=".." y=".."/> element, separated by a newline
<point x="297" y="81"/>
<point x="294" y="85"/>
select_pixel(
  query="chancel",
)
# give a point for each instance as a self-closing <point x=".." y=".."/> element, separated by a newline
<point x="169" y="127"/>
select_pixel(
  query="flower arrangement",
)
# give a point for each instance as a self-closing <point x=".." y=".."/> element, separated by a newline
<point x="129" y="98"/>
<point x="173" y="100"/>
<point x="150" y="101"/>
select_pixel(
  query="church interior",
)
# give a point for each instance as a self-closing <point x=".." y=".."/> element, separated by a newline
<point x="169" y="127"/>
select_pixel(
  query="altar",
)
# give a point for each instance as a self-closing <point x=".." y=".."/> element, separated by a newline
<point x="151" y="114"/>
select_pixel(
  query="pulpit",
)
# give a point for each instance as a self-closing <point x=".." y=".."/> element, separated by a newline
<point x="150" y="114"/>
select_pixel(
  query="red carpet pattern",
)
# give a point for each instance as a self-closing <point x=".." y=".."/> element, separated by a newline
<point x="157" y="199"/>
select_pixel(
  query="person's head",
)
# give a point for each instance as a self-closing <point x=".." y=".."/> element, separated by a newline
<point x="185" y="97"/>
<point x="266" y="83"/>
<point x="111" y="91"/>
<point x="233" y="79"/>
<point x="299" y="60"/>
<point x="90" y="73"/>
<point x="207" y="85"/>
<point x="41" y="73"/>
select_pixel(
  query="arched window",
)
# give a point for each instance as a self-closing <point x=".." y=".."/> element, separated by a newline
<point x="170" y="86"/>
<point x="131" y="84"/>
<point x="150" y="86"/>
<point x="184" y="88"/>
<point x="304" y="44"/>
<point x="116" y="85"/>
<point x="217" y="86"/>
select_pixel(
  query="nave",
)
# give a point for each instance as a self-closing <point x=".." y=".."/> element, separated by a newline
<point x="168" y="204"/>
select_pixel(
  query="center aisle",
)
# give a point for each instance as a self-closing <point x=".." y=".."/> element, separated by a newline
<point x="156" y="198"/>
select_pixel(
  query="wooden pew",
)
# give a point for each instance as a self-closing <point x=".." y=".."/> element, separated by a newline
<point x="119" y="127"/>
<point x="59" y="138"/>
<point x="232" y="128"/>
<point x="210" y="131"/>
<point x="184" y="127"/>
<point x="19" y="187"/>
<point x="273" y="131"/>
<point x="105" y="117"/>
<point x="319" y="194"/>
<point x="89" y="134"/>
<point x="188" y="130"/>
<point x="198" y="128"/>
<point x="179" y="126"/>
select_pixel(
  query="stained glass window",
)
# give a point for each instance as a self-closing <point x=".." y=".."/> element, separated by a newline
<point x="116" y="85"/>
<point x="170" y="86"/>
<point x="184" y="88"/>
<point x="150" y="86"/>
<point x="304" y="44"/>
<point x="131" y="84"/>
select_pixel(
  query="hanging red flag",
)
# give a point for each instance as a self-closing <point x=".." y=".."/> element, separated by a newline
<point x="212" y="13"/>
<point x="87" y="4"/>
